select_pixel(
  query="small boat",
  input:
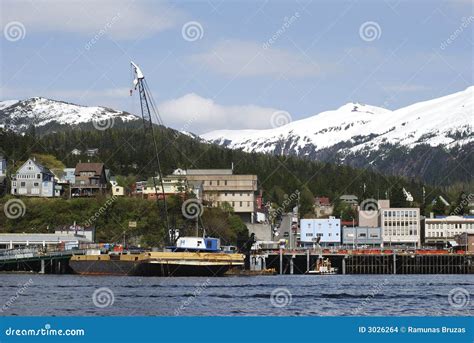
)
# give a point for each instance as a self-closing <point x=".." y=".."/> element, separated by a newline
<point x="323" y="267"/>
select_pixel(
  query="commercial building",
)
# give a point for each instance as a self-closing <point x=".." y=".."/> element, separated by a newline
<point x="443" y="229"/>
<point x="370" y="217"/>
<point x="221" y="186"/>
<point x="58" y="241"/>
<point x="401" y="226"/>
<point x="33" y="179"/>
<point x="323" y="231"/>
<point x="362" y="236"/>
<point x="465" y="241"/>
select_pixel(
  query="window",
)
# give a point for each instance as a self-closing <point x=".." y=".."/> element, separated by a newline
<point x="210" y="182"/>
<point x="218" y="182"/>
<point x="241" y="204"/>
<point x="38" y="176"/>
<point x="36" y="184"/>
<point x="225" y="182"/>
<point x="22" y="184"/>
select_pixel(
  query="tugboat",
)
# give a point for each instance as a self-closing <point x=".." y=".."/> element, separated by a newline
<point x="323" y="267"/>
<point x="187" y="256"/>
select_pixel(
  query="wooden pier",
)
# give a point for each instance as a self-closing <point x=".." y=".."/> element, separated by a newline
<point x="300" y="262"/>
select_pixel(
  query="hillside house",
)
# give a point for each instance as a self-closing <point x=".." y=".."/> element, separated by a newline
<point x="89" y="180"/>
<point x="33" y="179"/>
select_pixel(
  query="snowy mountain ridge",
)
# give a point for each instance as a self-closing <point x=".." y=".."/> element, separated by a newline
<point x="443" y="121"/>
<point x="19" y="115"/>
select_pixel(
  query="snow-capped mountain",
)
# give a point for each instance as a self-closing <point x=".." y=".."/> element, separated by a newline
<point x="19" y="115"/>
<point x="363" y="135"/>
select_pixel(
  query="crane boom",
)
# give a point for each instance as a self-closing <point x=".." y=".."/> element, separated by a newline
<point x="146" y="106"/>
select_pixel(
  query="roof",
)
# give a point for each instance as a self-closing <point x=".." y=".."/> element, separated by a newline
<point x="209" y="172"/>
<point x="323" y="200"/>
<point x="42" y="168"/>
<point x="39" y="237"/>
<point x="348" y="196"/>
<point x="97" y="168"/>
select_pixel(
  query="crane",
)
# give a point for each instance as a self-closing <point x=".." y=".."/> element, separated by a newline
<point x="148" y="108"/>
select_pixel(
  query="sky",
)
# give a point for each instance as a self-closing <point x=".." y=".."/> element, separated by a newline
<point x="237" y="64"/>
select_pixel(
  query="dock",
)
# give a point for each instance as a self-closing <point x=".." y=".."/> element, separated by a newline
<point x="366" y="262"/>
<point x="36" y="260"/>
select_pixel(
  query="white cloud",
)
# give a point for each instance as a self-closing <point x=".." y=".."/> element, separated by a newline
<point x="238" y="58"/>
<point x="196" y="114"/>
<point x="120" y="19"/>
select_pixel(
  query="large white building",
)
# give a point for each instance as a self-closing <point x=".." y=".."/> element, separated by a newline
<point x="326" y="231"/>
<point x="33" y="179"/>
<point x="220" y="186"/>
<point x="443" y="228"/>
<point x="400" y="226"/>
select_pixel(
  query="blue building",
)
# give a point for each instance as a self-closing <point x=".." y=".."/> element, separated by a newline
<point x="324" y="231"/>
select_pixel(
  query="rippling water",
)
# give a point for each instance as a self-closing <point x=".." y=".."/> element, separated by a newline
<point x="296" y="295"/>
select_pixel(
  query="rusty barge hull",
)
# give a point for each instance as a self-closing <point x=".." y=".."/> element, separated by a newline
<point x="157" y="264"/>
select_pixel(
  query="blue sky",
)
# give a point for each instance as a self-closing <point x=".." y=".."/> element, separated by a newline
<point x="233" y="74"/>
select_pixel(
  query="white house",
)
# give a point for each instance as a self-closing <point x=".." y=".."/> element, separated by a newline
<point x="324" y="231"/>
<point x="33" y="179"/>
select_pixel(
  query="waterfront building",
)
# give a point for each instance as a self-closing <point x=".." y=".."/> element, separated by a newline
<point x="362" y="236"/>
<point x="443" y="229"/>
<point x="57" y="241"/>
<point x="323" y="231"/>
<point x="33" y="179"/>
<point x="400" y="226"/>
<point x="221" y="186"/>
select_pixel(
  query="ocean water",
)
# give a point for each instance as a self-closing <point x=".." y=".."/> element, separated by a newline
<point x="286" y="295"/>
